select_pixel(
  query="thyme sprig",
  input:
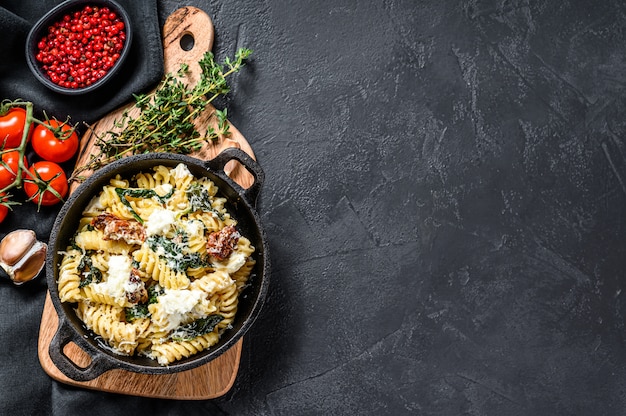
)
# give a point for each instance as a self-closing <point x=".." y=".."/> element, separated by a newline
<point x="166" y="121"/>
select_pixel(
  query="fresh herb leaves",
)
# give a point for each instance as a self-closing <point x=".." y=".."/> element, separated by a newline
<point x="141" y="310"/>
<point x="166" y="122"/>
<point x="123" y="193"/>
<point x="196" y="328"/>
<point x="174" y="255"/>
<point x="200" y="200"/>
<point x="88" y="273"/>
<point x="137" y="312"/>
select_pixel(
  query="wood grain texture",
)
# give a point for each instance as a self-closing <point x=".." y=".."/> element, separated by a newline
<point x="216" y="377"/>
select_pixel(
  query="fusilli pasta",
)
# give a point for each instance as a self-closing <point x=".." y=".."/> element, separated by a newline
<point x="157" y="265"/>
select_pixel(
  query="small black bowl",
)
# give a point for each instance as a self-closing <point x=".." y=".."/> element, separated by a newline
<point x="40" y="29"/>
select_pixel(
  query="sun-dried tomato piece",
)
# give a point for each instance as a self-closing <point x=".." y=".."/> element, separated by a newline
<point x="139" y="294"/>
<point x="116" y="229"/>
<point x="222" y="243"/>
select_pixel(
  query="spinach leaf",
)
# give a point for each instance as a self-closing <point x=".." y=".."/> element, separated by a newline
<point x="173" y="254"/>
<point x="200" y="200"/>
<point x="196" y="328"/>
<point x="198" y="197"/>
<point x="141" y="310"/>
<point x="154" y="292"/>
<point x="122" y="193"/>
<point x="88" y="273"/>
<point x="137" y="312"/>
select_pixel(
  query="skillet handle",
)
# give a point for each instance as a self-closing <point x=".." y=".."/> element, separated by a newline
<point x="218" y="163"/>
<point x="64" y="335"/>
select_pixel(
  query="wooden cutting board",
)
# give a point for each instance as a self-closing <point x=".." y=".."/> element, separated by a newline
<point x="216" y="377"/>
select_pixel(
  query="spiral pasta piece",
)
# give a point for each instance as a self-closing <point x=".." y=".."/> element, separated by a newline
<point x="146" y="180"/>
<point x="242" y="275"/>
<point x="171" y="351"/>
<point x="162" y="175"/>
<point x="211" y="221"/>
<point x="69" y="277"/>
<point x="105" y="320"/>
<point x="94" y="240"/>
<point x="150" y="262"/>
<point x="95" y="296"/>
<point x="213" y="283"/>
<point x="228" y="301"/>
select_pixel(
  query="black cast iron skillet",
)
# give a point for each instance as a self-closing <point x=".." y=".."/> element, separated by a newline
<point x="241" y="204"/>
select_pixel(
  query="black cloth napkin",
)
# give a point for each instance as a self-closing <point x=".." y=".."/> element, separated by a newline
<point x="142" y="71"/>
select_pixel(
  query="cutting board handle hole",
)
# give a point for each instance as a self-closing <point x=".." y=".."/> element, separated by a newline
<point x="187" y="42"/>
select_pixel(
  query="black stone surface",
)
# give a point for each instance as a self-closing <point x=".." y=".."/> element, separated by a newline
<point x="445" y="210"/>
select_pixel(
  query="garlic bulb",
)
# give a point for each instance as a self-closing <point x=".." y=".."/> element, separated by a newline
<point x="22" y="256"/>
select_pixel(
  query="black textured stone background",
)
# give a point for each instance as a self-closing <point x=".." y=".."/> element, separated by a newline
<point x="445" y="209"/>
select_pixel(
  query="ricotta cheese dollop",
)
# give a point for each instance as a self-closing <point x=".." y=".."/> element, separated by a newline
<point x="160" y="221"/>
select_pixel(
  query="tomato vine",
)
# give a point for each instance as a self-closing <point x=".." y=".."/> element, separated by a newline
<point x="16" y="168"/>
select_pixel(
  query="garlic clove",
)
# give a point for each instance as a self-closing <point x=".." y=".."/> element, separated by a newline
<point x="15" y="244"/>
<point x="32" y="264"/>
<point x="22" y="256"/>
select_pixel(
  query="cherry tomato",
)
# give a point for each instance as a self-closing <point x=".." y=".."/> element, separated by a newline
<point x="8" y="169"/>
<point x="4" y="208"/>
<point x="12" y="127"/>
<point x="45" y="176"/>
<point x="55" y="141"/>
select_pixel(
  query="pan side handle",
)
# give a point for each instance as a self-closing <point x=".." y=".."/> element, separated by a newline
<point x="64" y="335"/>
<point x="218" y="163"/>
